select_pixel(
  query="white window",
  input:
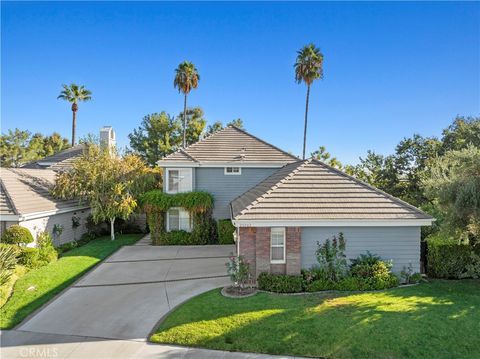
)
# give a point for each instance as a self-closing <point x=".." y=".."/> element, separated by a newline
<point x="277" y="245"/>
<point x="233" y="171"/>
<point x="178" y="219"/>
<point x="179" y="180"/>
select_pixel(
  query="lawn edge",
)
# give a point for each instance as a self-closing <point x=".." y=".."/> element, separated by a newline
<point x="50" y="301"/>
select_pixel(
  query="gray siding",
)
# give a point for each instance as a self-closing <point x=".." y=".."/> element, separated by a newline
<point x="399" y="244"/>
<point x="226" y="188"/>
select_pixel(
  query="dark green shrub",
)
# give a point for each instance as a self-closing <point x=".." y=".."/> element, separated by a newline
<point x="446" y="258"/>
<point x="280" y="283"/>
<point x="372" y="273"/>
<point x="331" y="257"/>
<point x="8" y="261"/>
<point x="320" y="284"/>
<point x="17" y="235"/>
<point x="176" y="238"/>
<point x="29" y="257"/>
<point x="66" y="247"/>
<point x="353" y="284"/>
<point x="226" y="229"/>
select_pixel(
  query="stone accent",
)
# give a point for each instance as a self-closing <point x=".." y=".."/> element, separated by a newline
<point x="255" y="247"/>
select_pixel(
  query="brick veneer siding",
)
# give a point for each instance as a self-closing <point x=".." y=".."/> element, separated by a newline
<point x="255" y="247"/>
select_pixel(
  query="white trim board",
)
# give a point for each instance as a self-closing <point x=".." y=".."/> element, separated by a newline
<point x="334" y="223"/>
<point x="223" y="164"/>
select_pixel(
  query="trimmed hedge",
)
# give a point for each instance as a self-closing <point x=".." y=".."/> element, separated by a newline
<point x="446" y="258"/>
<point x="280" y="283"/>
<point x="226" y="229"/>
<point x="17" y="235"/>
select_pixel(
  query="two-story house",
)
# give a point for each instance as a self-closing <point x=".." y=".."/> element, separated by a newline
<point x="282" y="206"/>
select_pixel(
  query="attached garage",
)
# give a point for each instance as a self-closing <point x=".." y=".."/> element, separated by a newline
<point x="307" y="202"/>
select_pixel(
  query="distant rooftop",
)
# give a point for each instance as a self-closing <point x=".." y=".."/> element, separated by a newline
<point x="230" y="146"/>
<point x="59" y="161"/>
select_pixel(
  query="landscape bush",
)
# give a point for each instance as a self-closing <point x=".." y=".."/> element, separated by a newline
<point x="17" y="235"/>
<point x="226" y="229"/>
<point x="331" y="257"/>
<point x="239" y="271"/>
<point x="46" y="251"/>
<point x="447" y="258"/>
<point x="280" y="283"/>
<point x="29" y="257"/>
<point x="176" y="238"/>
<point x="8" y="261"/>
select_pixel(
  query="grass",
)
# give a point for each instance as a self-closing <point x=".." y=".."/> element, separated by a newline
<point x="40" y="285"/>
<point x="439" y="319"/>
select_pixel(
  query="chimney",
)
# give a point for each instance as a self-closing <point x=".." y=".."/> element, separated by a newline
<point x="107" y="138"/>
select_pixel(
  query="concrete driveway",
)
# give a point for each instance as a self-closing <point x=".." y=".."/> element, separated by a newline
<point x="126" y="296"/>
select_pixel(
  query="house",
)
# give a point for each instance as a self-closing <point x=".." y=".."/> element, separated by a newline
<point x="25" y="199"/>
<point x="281" y="206"/>
<point x="59" y="161"/>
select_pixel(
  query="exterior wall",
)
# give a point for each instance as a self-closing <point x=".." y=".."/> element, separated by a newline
<point x="399" y="244"/>
<point x="254" y="245"/>
<point x="226" y="188"/>
<point x="39" y="225"/>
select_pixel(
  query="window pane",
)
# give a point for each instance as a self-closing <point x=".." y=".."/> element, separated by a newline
<point x="173" y="220"/>
<point x="277" y="253"/>
<point x="184" y="220"/>
<point x="173" y="179"/>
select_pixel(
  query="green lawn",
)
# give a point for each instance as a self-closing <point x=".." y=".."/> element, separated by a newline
<point x="51" y="279"/>
<point x="440" y="319"/>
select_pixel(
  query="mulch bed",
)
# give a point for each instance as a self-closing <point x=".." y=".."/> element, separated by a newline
<point x="236" y="292"/>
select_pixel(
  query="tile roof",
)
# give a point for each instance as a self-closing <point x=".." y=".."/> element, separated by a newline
<point x="59" y="161"/>
<point x="26" y="191"/>
<point x="311" y="190"/>
<point x="230" y="145"/>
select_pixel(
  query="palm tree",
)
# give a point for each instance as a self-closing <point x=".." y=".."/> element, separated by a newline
<point x="74" y="94"/>
<point x="186" y="78"/>
<point x="308" y="68"/>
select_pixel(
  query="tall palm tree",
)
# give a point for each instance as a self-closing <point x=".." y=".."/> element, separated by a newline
<point x="74" y="94"/>
<point x="308" y="68"/>
<point x="186" y="79"/>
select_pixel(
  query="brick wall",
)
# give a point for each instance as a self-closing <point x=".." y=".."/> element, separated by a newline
<point x="255" y="247"/>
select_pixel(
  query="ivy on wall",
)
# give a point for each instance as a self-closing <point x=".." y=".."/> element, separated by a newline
<point x="199" y="204"/>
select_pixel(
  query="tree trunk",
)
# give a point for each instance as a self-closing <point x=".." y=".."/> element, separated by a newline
<point x="112" y="228"/>
<point x="305" y="129"/>
<point x="74" y="122"/>
<point x="185" y="121"/>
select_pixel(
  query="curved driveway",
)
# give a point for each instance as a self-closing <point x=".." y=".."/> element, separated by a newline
<point x="126" y="296"/>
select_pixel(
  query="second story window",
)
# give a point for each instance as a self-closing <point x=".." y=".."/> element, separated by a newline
<point x="179" y="180"/>
<point x="233" y="171"/>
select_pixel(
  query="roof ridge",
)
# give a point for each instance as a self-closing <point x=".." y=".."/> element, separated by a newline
<point x="274" y="186"/>
<point x="393" y="198"/>
<point x="263" y="141"/>
<point x="188" y="155"/>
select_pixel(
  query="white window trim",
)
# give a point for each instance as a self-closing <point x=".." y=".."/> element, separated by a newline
<point x="167" y="177"/>
<point x="284" y="260"/>
<point x="180" y="209"/>
<point x="232" y="173"/>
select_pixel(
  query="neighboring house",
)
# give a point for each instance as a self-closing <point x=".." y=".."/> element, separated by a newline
<point x="281" y="206"/>
<point x="25" y="199"/>
<point x="59" y="161"/>
<point x="225" y="164"/>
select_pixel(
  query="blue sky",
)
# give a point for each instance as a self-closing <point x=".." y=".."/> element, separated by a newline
<point x="391" y="69"/>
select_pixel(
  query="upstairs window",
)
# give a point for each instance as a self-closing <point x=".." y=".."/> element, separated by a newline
<point x="277" y="245"/>
<point x="233" y="171"/>
<point x="179" y="180"/>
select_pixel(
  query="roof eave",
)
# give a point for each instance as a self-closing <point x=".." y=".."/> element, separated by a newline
<point x="410" y="222"/>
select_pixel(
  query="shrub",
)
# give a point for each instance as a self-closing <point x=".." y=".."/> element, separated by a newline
<point x="239" y="271"/>
<point x="47" y="252"/>
<point x="66" y="247"/>
<point x="353" y="284"/>
<point x="176" y="238"/>
<point x="29" y="257"/>
<point x="331" y="257"/>
<point x="8" y="261"/>
<point x="446" y="258"/>
<point x="225" y="231"/>
<point x="373" y="271"/>
<point x="320" y="284"/>
<point x="407" y="275"/>
<point x="17" y="235"/>
<point x="280" y="283"/>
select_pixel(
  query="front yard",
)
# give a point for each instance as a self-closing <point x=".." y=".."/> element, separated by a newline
<point x="439" y="319"/>
<point x="40" y="285"/>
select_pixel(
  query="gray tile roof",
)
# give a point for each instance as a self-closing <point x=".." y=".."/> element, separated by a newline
<point x="230" y="145"/>
<point x="59" y="161"/>
<point x="311" y="190"/>
<point x="26" y="191"/>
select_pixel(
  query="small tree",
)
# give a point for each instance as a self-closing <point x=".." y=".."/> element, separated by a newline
<point x="108" y="183"/>
<point x="331" y="257"/>
<point x="239" y="271"/>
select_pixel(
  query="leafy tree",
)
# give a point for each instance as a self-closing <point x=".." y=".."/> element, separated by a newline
<point x="195" y="125"/>
<point x="108" y="183"/>
<point x="74" y="94"/>
<point x="323" y="155"/>
<point x="308" y="68"/>
<point x="14" y="148"/>
<point x="454" y="183"/>
<point x="464" y="131"/>
<point x="218" y="125"/>
<point x="54" y="143"/>
<point x="186" y="79"/>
